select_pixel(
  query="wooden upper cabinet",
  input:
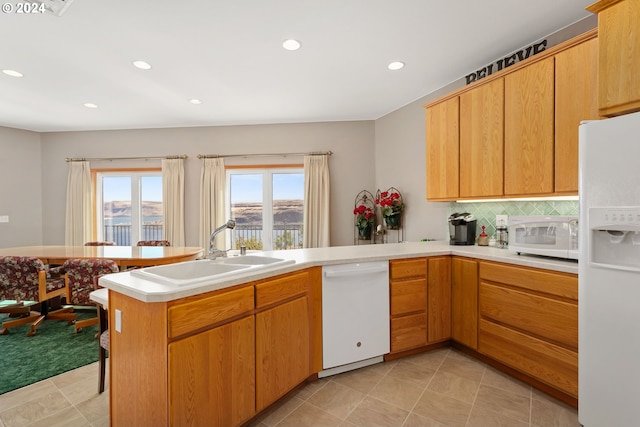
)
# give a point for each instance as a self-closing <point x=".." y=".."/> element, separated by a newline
<point x="482" y="141"/>
<point x="443" y="150"/>
<point x="515" y="132"/>
<point x="618" y="56"/>
<point x="576" y="100"/>
<point x="529" y="130"/>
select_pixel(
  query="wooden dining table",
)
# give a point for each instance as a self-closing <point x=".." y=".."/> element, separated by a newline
<point x="124" y="256"/>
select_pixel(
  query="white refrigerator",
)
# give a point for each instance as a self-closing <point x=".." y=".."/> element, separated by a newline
<point x="609" y="273"/>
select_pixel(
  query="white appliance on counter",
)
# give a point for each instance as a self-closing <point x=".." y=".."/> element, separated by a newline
<point x="355" y="316"/>
<point x="609" y="273"/>
<point x="552" y="235"/>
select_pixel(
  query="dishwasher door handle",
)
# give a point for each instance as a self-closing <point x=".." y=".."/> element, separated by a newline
<point x="354" y="272"/>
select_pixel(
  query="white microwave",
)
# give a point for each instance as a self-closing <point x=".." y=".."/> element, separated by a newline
<point x="555" y="236"/>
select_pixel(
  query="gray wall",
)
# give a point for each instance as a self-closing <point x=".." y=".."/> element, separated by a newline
<point x="21" y="188"/>
<point x="400" y="162"/>
<point x="351" y="164"/>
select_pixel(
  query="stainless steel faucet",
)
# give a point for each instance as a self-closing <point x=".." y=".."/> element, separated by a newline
<point x="213" y="251"/>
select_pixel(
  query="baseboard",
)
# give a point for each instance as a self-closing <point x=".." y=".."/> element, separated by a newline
<point x="350" y="367"/>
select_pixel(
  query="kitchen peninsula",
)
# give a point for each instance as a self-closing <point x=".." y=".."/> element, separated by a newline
<point x="221" y="352"/>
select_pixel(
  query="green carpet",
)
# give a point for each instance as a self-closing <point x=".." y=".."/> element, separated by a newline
<point x="53" y="350"/>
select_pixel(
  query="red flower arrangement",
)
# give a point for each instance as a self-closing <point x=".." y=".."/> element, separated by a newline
<point x="390" y="203"/>
<point x="364" y="216"/>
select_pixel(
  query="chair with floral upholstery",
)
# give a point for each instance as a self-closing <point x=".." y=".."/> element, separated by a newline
<point x="25" y="279"/>
<point x="154" y="243"/>
<point x="82" y="276"/>
<point x="97" y="243"/>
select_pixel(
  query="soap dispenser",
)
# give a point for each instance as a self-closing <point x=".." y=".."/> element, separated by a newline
<point x="483" y="238"/>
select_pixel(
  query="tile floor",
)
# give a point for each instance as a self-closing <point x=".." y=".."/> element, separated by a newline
<point x="439" y="388"/>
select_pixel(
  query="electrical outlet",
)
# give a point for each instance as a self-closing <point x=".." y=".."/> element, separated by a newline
<point x="4" y="218"/>
<point x="118" y="325"/>
<point x="502" y="220"/>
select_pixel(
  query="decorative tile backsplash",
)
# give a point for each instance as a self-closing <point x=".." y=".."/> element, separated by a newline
<point x="486" y="212"/>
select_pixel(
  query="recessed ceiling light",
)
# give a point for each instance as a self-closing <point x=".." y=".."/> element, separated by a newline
<point x="195" y="101"/>
<point x="12" y="73"/>
<point x="396" y="65"/>
<point x="90" y="105"/>
<point x="291" y="44"/>
<point x="142" y="65"/>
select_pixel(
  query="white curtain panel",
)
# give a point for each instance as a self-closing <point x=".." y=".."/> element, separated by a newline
<point x="212" y="201"/>
<point x="173" y="200"/>
<point x="316" y="201"/>
<point x="78" y="215"/>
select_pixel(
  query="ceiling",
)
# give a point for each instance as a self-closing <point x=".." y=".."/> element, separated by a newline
<point x="229" y="55"/>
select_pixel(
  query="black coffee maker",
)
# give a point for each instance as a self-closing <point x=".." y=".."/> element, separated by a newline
<point x="462" y="229"/>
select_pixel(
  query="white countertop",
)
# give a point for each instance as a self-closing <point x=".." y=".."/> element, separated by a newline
<point x="149" y="291"/>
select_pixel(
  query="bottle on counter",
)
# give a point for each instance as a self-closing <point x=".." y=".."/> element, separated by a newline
<point x="483" y="238"/>
<point x="502" y="239"/>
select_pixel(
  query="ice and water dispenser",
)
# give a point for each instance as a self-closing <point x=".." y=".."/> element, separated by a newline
<point x="615" y="237"/>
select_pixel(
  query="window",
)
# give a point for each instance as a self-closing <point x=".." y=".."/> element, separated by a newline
<point x="267" y="205"/>
<point x="129" y="206"/>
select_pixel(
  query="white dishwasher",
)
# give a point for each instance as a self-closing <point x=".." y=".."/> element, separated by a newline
<point x="355" y="316"/>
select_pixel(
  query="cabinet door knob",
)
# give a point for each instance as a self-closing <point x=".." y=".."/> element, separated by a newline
<point x="359" y="344"/>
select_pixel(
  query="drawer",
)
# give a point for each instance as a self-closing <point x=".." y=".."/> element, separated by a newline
<point x="408" y="332"/>
<point x="542" y="316"/>
<point x="408" y="268"/>
<point x="197" y="314"/>
<point x="280" y="289"/>
<point x="548" y="363"/>
<point x="559" y="284"/>
<point x="408" y="296"/>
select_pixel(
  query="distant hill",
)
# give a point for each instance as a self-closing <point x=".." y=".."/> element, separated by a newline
<point x="284" y="211"/>
<point x="123" y="209"/>
<point x="289" y="211"/>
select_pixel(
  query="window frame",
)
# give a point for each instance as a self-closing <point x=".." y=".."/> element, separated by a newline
<point x="96" y="196"/>
<point x="267" y="171"/>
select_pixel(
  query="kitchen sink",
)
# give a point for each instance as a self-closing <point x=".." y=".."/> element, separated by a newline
<point x="187" y="273"/>
<point x="206" y="270"/>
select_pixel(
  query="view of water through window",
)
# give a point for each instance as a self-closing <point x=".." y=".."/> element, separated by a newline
<point x="131" y="207"/>
<point x="268" y="209"/>
<point x="266" y="204"/>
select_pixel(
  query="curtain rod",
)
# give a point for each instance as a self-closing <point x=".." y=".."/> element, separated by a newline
<point x="215" y="156"/>
<point x="94" y="159"/>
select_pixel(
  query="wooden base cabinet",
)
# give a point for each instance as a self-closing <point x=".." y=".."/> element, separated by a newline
<point x="420" y="302"/>
<point x="464" y="301"/>
<point x="214" y="359"/>
<point x="439" y="299"/>
<point x="529" y="322"/>
<point x="408" y="287"/>
<point x="282" y="350"/>
<point x="216" y="371"/>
